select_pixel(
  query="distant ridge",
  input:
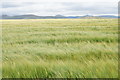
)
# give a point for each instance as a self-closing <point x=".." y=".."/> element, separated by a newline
<point x="31" y="16"/>
<point x="108" y="16"/>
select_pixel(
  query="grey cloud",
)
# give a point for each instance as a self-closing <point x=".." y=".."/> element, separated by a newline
<point x="17" y="4"/>
<point x="64" y="8"/>
<point x="99" y="8"/>
<point x="9" y="5"/>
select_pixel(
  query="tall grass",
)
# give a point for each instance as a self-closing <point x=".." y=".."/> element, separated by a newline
<point x="60" y="48"/>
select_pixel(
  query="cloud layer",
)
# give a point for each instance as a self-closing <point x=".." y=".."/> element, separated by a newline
<point x="53" y="8"/>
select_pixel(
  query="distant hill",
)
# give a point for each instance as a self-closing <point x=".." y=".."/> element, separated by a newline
<point x="90" y="17"/>
<point x="108" y="16"/>
<point x="30" y="16"/>
<point x="99" y="17"/>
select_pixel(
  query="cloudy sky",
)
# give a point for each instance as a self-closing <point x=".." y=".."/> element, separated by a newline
<point x="63" y="7"/>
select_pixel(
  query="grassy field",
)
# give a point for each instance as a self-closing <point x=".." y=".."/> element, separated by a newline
<point x="60" y="48"/>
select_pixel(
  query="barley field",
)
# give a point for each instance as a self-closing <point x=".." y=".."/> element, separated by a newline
<point x="60" y="48"/>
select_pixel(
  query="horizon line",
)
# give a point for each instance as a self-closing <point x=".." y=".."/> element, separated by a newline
<point x="66" y="15"/>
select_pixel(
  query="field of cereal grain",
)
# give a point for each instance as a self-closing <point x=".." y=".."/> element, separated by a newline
<point x="60" y="48"/>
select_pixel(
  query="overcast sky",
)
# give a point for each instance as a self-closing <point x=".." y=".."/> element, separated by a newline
<point x="63" y="7"/>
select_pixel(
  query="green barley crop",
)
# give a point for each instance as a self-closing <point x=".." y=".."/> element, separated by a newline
<point x="60" y="48"/>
